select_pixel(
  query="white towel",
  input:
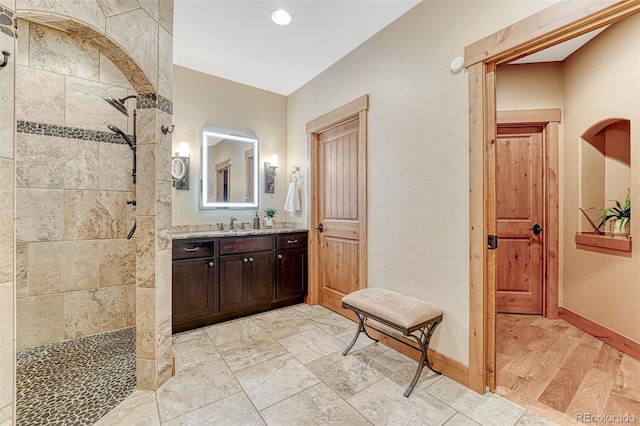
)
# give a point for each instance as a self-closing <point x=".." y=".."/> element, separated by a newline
<point x="292" y="202"/>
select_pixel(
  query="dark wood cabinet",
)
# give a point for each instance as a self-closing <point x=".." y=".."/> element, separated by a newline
<point x="246" y="280"/>
<point x="260" y="278"/>
<point x="194" y="282"/>
<point x="239" y="276"/>
<point x="291" y="266"/>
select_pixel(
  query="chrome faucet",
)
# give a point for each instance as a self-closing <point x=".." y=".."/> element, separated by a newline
<point x="231" y="226"/>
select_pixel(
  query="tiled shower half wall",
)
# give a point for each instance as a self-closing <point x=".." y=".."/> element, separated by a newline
<point x="76" y="269"/>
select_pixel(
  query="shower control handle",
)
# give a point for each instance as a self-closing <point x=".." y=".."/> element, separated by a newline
<point x="192" y="249"/>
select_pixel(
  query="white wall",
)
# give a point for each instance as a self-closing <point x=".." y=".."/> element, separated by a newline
<point x="418" y="175"/>
<point x="200" y="99"/>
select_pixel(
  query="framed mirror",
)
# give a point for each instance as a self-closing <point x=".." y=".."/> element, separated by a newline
<point x="229" y="171"/>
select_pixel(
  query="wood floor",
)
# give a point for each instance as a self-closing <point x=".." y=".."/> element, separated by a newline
<point x="554" y="369"/>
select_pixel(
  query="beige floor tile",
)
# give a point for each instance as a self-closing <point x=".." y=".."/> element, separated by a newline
<point x="310" y="311"/>
<point x="384" y="404"/>
<point x="311" y="345"/>
<point x="187" y="336"/>
<point x="196" y="351"/>
<point x="142" y="415"/>
<point x="532" y="419"/>
<point x="274" y="380"/>
<point x="461" y="420"/>
<point x="138" y="397"/>
<point x="232" y="410"/>
<point x="280" y="324"/>
<point x="227" y="332"/>
<point x="195" y="388"/>
<point x="315" y="406"/>
<point x="239" y="354"/>
<point x="487" y="409"/>
<point x="335" y="324"/>
<point x="405" y="367"/>
<point x="362" y="342"/>
<point x="348" y="375"/>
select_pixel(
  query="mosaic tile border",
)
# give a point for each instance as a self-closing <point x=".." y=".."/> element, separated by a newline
<point x="44" y="129"/>
<point x="75" y="382"/>
<point x="8" y="24"/>
<point x="152" y="100"/>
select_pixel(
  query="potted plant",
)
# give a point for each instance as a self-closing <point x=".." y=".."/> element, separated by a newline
<point x="621" y="215"/>
<point x="269" y="214"/>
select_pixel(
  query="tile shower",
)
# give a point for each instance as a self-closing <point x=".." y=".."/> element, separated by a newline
<point x="58" y="163"/>
<point x="76" y="269"/>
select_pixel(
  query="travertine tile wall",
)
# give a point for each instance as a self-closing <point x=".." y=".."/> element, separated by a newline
<point x="7" y="240"/>
<point x="136" y="37"/>
<point x="75" y="267"/>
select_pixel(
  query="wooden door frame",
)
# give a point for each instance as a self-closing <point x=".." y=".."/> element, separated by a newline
<point x="557" y="23"/>
<point x="356" y="108"/>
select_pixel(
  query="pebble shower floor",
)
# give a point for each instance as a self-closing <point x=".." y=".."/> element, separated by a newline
<point x="75" y="382"/>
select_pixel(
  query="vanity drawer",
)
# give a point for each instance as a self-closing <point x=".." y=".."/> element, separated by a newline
<point x="234" y="245"/>
<point x="286" y="241"/>
<point x="192" y="249"/>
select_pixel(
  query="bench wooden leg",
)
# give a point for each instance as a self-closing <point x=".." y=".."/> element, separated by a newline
<point x="361" y="329"/>
<point x="423" y="341"/>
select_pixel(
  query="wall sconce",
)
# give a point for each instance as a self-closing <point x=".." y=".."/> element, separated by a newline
<point x="180" y="167"/>
<point x="270" y="174"/>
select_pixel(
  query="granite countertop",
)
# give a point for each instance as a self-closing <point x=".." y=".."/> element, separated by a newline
<point x="234" y="233"/>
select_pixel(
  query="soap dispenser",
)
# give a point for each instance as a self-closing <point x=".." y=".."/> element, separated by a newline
<point x="256" y="222"/>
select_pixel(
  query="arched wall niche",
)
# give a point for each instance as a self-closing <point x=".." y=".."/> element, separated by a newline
<point x="605" y="167"/>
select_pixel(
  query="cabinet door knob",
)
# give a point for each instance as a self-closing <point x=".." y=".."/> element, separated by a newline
<point x="279" y="256"/>
<point x="210" y="263"/>
<point x="245" y="260"/>
<point x="251" y="259"/>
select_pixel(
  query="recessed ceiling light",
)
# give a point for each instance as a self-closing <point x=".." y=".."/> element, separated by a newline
<point x="281" y="17"/>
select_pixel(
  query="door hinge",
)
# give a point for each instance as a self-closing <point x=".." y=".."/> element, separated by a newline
<point x="492" y="242"/>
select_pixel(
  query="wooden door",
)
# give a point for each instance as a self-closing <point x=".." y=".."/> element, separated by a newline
<point x="340" y="212"/>
<point x="520" y="207"/>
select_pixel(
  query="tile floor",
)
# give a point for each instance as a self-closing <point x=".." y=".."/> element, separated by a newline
<point x="285" y="367"/>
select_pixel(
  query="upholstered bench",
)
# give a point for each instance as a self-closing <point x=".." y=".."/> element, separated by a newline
<point x="399" y="313"/>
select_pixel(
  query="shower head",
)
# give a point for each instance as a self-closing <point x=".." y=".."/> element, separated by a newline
<point x="119" y="132"/>
<point x="119" y="103"/>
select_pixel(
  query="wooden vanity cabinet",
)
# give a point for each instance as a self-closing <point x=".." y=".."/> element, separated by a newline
<point x="246" y="272"/>
<point x="194" y="282"/>
<point x="291" y="266"/>
<point x="229" y="277"/>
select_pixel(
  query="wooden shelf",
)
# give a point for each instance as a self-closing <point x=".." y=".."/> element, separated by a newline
<point x="603" y="241"/>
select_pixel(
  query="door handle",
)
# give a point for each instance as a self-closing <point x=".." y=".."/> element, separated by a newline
<point x="536" y="229"/>
<point x="320" y="228"/>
